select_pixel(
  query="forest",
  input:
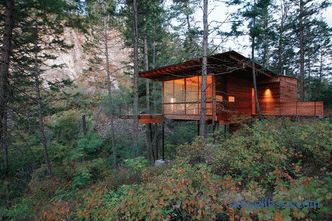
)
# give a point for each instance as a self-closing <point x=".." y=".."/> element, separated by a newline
<point x="88" y="131"/>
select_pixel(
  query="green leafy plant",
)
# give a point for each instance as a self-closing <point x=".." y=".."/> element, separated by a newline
<point x="136" y="164"/>
<point x="82" y="178"/>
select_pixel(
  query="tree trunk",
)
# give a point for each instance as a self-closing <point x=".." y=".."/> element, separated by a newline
<point x="84" y="128"/>
<point x="41" y="124"/>
<point x="301" y="76"/>
<point x="266" y="52"/>
<point x="190" y="37"/>
<point x="135" y="80"/>
<point x="202" y="129"/>
<point x="318" y="93"/>
<point x="154" y="91"/>
<point x="149" y="126"/>
<point x="109" y="89"/>
<point x="258" y="109"/>
<point x="281" y="38"/>
<point x="146" y="68"/>
<point x="4" y="72"/>
<point x="41" y="107"/>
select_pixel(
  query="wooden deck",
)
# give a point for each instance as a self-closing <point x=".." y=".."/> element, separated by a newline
<point x="285" y="109"/>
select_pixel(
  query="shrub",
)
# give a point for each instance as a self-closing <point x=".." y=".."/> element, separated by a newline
<point x="85" y="146"/>
<point x="258" y="151"/>
<point x="183" y="193"/>
<point x="20" y="211"/>
<point x="136" y="164"/>
<point x="89" y="143"/>
<point x="66" y="126"/>
<point x="82" y="178"/>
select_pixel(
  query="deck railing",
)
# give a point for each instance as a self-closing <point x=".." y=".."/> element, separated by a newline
<point x="313" y="109"/>
<point x="223" y="111"/>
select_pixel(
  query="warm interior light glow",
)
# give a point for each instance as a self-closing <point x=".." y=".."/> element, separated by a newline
<point x="219" y="98"/>
<point x="231" y="99"/>
<point x="172" y="105"/>
<point x="268" y="93"/>
<point x="268" y="96"/>
<point x="268" y="101"/>
<point x="182" y="96"/>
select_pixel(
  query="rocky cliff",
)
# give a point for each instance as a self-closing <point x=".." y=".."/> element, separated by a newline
<point x="76" y="62"/>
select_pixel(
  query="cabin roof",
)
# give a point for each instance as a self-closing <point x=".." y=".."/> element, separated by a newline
<point x="226" y="62"/>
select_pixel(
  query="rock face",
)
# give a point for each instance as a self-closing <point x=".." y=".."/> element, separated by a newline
<point x="76" y="62"/>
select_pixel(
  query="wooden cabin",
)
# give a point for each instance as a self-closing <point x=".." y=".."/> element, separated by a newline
<point x="230" y="93"/>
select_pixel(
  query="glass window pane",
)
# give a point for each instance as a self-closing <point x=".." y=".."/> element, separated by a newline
<point x="179" y="92"/>
<point x="192" y="89"/>
<point x="168" y="91"/>
<point x="231" y="99"/>
<point x="168" y="109"/>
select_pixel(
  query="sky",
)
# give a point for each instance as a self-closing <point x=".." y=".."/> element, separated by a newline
<point x="218" y="12"/>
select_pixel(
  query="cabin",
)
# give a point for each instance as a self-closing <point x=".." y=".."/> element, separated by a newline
<point x="230" y="92"/>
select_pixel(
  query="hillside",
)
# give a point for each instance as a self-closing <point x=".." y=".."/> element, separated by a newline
<point x="279" y="160"/>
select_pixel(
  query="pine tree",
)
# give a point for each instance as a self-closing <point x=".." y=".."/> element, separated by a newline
<point x="183" y="12"/>
<point x="101" y="23"/>
<point x="135" y="77"/>
<point x="6" y="52"/>
<point x="304" y="17"/>
<point x="37" y="32"/>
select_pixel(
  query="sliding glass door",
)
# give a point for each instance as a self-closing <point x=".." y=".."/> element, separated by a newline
<point x="183" y="96"/>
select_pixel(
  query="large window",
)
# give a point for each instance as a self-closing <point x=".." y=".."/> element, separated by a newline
<point x="183" y="96"/>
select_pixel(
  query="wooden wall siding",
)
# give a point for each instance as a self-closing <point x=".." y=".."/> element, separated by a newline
<point x="288" y="89"/>
<point x="240" y="88"/>
<point x="269" y="98"/>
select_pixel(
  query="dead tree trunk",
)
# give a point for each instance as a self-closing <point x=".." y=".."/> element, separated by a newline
<point x="40" y="105"/>
<point x="135" y="79"/>
<point x="258" y="109"/>
<point x="202" y="129"/>
<point x="4" y="72"/>
<point x="109" y="89"/>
